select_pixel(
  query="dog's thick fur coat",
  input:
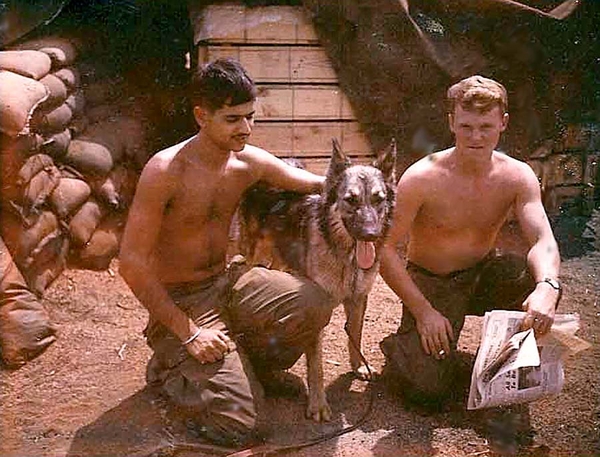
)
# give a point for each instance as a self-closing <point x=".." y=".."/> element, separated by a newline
<point x="329" y="238"/>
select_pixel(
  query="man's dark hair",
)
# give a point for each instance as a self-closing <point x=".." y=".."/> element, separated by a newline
<point x="221" y="82"/>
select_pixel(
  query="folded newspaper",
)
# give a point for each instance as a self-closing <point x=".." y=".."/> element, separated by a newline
<point x="513" y="366"/>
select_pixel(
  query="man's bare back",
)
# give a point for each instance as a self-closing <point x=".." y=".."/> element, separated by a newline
<point x="460" y="214"/>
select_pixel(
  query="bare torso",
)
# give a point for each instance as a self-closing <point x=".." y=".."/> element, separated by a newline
<point x="461" y="213"/>
<point x="192" y="243"/>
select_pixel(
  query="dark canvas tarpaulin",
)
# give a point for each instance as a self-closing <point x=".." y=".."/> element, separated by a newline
<point x="396" y="58"/>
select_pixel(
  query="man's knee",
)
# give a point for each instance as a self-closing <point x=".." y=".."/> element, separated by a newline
<point x="413" y="373"/>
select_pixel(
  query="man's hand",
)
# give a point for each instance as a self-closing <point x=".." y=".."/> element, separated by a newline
<point x="540" y="306"/>
<point x="436" y="333"/>
<point x="210" y="346"/>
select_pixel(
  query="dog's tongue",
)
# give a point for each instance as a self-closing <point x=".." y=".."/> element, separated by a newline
<point x="365" y="254"/>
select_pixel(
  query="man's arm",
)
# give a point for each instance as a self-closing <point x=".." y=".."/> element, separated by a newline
<point x="137" y="264"/>
<point x="543" y="257"/>
<point x="279" y="174"/>
<point x="434" y="329"/>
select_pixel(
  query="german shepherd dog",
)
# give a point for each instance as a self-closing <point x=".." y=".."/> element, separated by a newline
<point x="329" y="238"/>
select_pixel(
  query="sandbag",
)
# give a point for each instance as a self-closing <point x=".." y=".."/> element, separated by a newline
<point x="69" y="76"/>
<point x="89" y="157"/>
<point x="56" y="145"/>
<point x="103" y="246"/>
<point x="52" y="121"/>
<point x="47" y="262"/>
<point x="61" y="51"/>
<point x="32" y="166"/>
<point x="76" y="102"/>
<point x="25" y="328"/>
<point x="31" y="64"/>
<point x="85" y="222"/>
<point x="21" y="146"/>
<point x="68" y="196"/>
<point x="24" y="239"/>
<point x="116" y="189"/>
<point x="19" y="97"/>
<point x="57" y="90"/>
<point x="35" y="190"/>
<point x="109" y="133"/>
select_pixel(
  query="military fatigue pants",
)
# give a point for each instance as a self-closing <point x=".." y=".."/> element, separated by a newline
<point x="497" y="282"/>
<point x="272" y="316"/>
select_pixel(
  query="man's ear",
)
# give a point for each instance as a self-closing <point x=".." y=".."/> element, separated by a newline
<point x="200" y="115"/>
<point x="504" y="121"/>
<point x="451" y="122"/>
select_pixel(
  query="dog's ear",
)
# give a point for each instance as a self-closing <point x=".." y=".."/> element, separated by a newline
<point x="386" y="162"/>
<point x="339" y="161"/>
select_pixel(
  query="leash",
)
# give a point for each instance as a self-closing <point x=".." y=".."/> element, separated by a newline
<point x="271" y="449"/>
<point x="268" y="449"/>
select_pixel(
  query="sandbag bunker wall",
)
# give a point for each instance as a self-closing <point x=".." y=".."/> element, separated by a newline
<point x="71" y="152"/>
<point x="300" y="105"/>
<point x="568" y="168"/>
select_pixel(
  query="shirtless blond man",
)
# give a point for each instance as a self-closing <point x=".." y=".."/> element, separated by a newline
<point x="173" y="257"/>
<point x="450" y="208"/>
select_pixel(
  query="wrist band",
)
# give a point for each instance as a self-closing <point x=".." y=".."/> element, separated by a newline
<point x="192" y="338"/>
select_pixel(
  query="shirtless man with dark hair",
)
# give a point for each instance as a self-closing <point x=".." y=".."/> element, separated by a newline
<point x="173" y="256"/>
<point x="450" y="208"/>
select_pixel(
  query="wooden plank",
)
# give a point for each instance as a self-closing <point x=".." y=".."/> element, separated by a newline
<point x="302" y="103"/>
<point x="319" y="165"/>
<point x="289" y="64"/>
<point x="302" y="139"/>
<point x="235" y="23"/>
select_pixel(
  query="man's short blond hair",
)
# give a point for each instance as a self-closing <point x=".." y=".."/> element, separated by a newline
<point x="477" y="93"/>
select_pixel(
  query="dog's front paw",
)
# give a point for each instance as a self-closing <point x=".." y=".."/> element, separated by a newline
<point x="318" y="409"/>
<point x="362" y="372"/>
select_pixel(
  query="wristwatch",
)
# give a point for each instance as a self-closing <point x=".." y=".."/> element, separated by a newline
<point x="553" y="283"/>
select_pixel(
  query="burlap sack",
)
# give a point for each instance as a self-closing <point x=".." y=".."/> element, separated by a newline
<point x="108" y="133"/>
<point x="20" y="147"/>
<point x="23" y="239"/>
<point x="62" y="51"/>
<point x="89" y="157"/>
<point x="68" y="196"/>
<point x="25" y="328"/>
<point x="57" y="91"/>
<point x="116" y="190"/>
<point x="47" y="262"/>
<point x="36" y="187"/>
<point x="56" y="145"/>
<point x="103" y="246"/>
<point x="85" y="222"/>
<point x="53" y="121"/>
<point x="31" y="64"/>
<point x="69" y="76"/>
<point x="19" y="96"/>
<point x="76" y="101"/>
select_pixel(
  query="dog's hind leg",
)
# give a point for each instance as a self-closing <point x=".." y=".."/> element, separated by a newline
<point x="355" y="315"/>
<point x="318" y="408"/>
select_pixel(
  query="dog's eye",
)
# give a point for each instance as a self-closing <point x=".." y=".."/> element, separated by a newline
<point x="377" y="198"/>
<point x="351" y="199"/>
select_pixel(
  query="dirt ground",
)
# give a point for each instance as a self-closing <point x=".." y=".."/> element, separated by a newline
<point x="86" y="395"/>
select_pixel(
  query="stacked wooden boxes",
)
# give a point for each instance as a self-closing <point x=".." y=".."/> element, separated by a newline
<point x="301" y="106"/>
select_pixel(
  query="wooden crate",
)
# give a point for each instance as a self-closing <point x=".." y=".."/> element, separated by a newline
<point x="300" y="105"/>
<point x="237" y="24"/>
<point x="277" y="64"/>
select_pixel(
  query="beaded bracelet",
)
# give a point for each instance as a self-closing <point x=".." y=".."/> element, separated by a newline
<point x="193" y="337"/>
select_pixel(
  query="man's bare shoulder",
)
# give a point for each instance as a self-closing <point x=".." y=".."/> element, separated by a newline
<point x="514" y="168"/>
<point x="427" y="168"/>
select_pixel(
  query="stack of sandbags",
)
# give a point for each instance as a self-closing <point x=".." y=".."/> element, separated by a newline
<point x="72" y="144"/>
